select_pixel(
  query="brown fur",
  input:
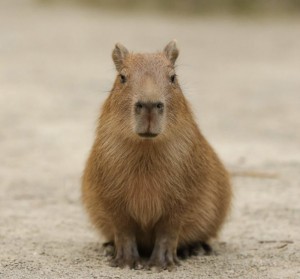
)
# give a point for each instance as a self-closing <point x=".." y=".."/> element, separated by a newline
<point x="152" y="194"/>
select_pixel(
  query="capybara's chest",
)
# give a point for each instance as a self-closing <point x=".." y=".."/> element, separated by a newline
<point x="147" y="197"/>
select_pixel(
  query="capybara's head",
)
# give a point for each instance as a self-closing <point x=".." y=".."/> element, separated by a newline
<point x="146" y="97"/>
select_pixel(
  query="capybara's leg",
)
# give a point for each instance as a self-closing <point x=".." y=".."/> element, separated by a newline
<point x="164" y="254"/>
<point x="126" y="251"/>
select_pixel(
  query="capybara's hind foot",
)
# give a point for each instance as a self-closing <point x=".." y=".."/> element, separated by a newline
<point x="207" y="248"/>
<point x="194" y="249"/>
<point x="109" y="248"/>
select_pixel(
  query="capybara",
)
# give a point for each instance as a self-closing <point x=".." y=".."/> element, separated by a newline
<point x="153" y="186"/>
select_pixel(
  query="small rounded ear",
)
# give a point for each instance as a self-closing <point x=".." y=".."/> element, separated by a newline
<point x="118" y="55"/>
<point x="171" y="51"/>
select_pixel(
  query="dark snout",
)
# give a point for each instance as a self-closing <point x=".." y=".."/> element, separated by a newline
<point x="149" y="118"/>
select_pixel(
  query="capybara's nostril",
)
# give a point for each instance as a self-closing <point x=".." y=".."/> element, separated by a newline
<point x="138" y="105"/>
<point x="159" y="105"/>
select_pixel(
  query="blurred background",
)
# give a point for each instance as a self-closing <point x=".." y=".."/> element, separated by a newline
<point x="239" y="66"/>
<point x="193" y="7"/>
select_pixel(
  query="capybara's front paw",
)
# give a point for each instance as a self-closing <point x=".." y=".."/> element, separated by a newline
<point x="126" y="255"/>
<point x="120" y="261"/>
<point x="164" y="258"/>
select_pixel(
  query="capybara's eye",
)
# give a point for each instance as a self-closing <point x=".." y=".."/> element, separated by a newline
<point x="172" y="78"/>
<point x="123" y="78"/>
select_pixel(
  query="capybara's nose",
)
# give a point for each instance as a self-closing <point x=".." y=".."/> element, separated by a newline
<point x="149" y="107"/>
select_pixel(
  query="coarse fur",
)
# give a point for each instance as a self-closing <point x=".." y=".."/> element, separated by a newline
<point x="153" y="195"/>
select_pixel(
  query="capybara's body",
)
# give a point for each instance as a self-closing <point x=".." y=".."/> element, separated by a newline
<point x="152" y="183"/>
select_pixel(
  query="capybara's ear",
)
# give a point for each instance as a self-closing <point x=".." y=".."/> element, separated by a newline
<point x="171" y="51"/>
<point x="118" y="55"/>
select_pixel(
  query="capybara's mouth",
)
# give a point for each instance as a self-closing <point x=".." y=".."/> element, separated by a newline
<point x="147" y="135"/>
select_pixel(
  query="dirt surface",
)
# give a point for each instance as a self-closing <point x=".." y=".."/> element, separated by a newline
<point x="242" y="78"/>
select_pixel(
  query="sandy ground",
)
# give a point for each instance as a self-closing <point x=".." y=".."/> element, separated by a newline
<point x="242" y="78"/>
